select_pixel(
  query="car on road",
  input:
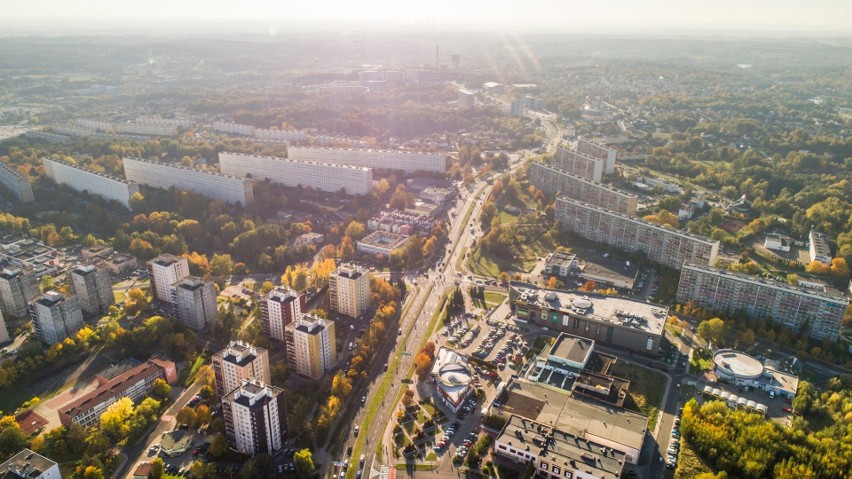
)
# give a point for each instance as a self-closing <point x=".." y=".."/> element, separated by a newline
<point x="361" y="461"/>
<point x="357" y="428"/>
<point x="363" y="399"/>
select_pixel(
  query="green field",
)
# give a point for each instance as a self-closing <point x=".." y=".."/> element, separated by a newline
<point x="493" y="298"/>
<point x="688" y="463"/>
<point x="646" y="390"/>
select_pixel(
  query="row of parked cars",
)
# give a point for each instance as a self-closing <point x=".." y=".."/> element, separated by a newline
<point x="489" y="342"/>
<point x="674" y="446"/>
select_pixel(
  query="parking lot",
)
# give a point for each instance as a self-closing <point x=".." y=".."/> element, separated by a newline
<point x="490" y="341"/>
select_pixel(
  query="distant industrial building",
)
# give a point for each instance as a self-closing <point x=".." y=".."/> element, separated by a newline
<point x="237" y="362"/>
<point x="107" y="187"/>
<point x="407" y="161"/>
<point x="577" y="163"/>
<point x="29" y="465"/>
<point x="332" y="178"/>
<point x="621" y="322"/>
<point x="230" y="189"/>
<point x="466" y="100"/>
<point x="790" y="306"/>
<point x="382" y="242"/>
<point x="134" y="383"/>
<point x="18" y="286"/>
<point x="55" y="317"/>
<point x="552" y="180"/>
<point x="255" y="417"/>
<point x="669" y="247"/>
<point x="92" y="286"/>
<point x="600" y="151"/>
<point x="311" y="347"/>
<point x="194" y="301"/>
<point x="164" y="271"/>
<point x="349" y="290"/>
<point x="819" y="248"/>
<point x="16" y="184"/>
<point x="279" y="308"/>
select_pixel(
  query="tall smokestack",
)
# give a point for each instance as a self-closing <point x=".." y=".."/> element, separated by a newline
<point x="437" y="49"/>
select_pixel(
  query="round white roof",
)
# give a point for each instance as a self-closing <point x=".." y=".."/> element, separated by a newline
<point x="582" y="303"/>
<point x="738" y="364"/>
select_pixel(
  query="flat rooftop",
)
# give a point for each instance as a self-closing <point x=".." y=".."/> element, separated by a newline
<point x="616" y="310"/>
<point x="610" y="269"/>
<point x="572" y="348"/>
<point x="25" y="464"/>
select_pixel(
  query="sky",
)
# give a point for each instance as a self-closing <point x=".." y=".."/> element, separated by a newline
<point x="605" y="16"/>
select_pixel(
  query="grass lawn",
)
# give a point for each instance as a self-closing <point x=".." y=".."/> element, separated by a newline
<point x="416" y="467"/>
<point x="493" y="298"/>
<point x="119" y="296"/>
<point x="689" y="464"/>
<point x="432" y="456"/>
<point x="430" y="409"/>
<point x="701" y="361"/>
<point x="483" y="265"/>
<point x="193" y="370"/>
<point x="507" y="218"/>
<point x="646" y="390"/>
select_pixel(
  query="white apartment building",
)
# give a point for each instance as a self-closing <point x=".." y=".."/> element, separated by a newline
<point x="349" y="290"/>
<point x="99" y="184"/>
<point x="382" y="242"/>
<point x="280" y="135"/>
<point x="47" y="136"/>
<point x="194" y="302"/>
<point x="30" y="465"/>
<point x="553" y="180"/>
<point x="579" y="164"/>
<point x="16" y="184"/>
<point x="92" y="286"/>
<point x="55" y="317"/>
<point x="667" y="246"/>
<point x="818" y="248"/>
<point x="237" y="362"/>
<point x="597" y="150"/>
<point x="146" y="130"/>
<point x="311" y="347"/>
<point x="164" y="271"/>
<point x="280" y="308"/>
<point x="214" y="185"/>
<point x="234" y="128"/>
<point x="407" y="161"/>
<point x="354" y="180"/>
<point x="18" y="286"/>
<point x="255" y="417"/>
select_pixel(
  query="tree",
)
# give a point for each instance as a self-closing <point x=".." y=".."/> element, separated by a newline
<point x="551" y="283"/>
<point x="793" y="279"/>
<point x="838" y="268"/>
<point x="186" y="415"/>
<point x="408" y="397"/>
<point x="589" y="286"/>
<point x="713" y="330"/>
<point x="203" y="414"/>
<point x="304" y="463"/>
<point x="115" y="420"/>
<point x="221" y="265"/>
<point x="341" y="386"/>
<point x="818" y="267"/>
<point x="158" y="468"/>
<point x="12" y="439"/>
<point x="218" y="445"/>
<point x="160" y="389"/>
<point x="46" y="283"/>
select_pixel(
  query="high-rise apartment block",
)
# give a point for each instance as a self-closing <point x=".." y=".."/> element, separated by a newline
<point x="230" y="189"/>
<point x="579" y="164"/>
<point x="164" y="271"/>
<point x="553" y="180"/>
<point x="55" y="317"/>
<point x="4" y="331"/>
<point x="349" y="290"/>
<point x="92" y="285"/>
<point x="107" y="187"/>
<point x="255" y="417"/>
<point x="237" y="362"/>
<point x="29" y="465"/>
<point x="354" y="180"/>
<point x="407" y="161"/>
<point x="194" y="302"/>
<point x="667" y="246"/>
<point x="280" y="308"/>
<point x="18" y="286"/>
<point x="311" y="347"/>
<point x="16" y="183"/>
<point x="597" y="150"/>
<point x="791" y="306"/>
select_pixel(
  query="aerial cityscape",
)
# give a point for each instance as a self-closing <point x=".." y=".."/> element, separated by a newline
<point x="549" y="241"/>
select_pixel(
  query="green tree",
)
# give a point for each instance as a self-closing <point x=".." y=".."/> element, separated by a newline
<point x="160" y="389"/>
<point x="158" y="467"/>
<point x="115" y="420"/>
<point x="714" y="330"/>
<point x="47" y="283"/>
<point x="304" y="462"/>
<point x="218" y="445"/>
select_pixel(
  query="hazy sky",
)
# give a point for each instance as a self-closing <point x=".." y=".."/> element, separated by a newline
<point x="568" y="15"/>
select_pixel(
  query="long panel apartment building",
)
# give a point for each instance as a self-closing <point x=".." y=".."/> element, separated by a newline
<point x="16" y="184"/>
<point x="597" y="150"/>
<point x="355" y="180"/>
<point x="407" y="161"/>
<point x="552" y="180"/>
<point x="666" y="246"/>
<point x="133" y="383"/>
<point x="98" y="184"/>
<point x="230" y="189"/>
<point x="791" y="306"/>
<point x="579" y="164"/>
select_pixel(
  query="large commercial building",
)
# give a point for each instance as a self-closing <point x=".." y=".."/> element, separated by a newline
<point x="280" y="308"/>
<point x="194" y="301"/>
<point x="164" y="271"/>
<point x="621" y="322"/>
<point x="597" y="150"/>
<point x="230" y="189"/>
<point x="55" y="317"/>
<point x="738" y="368"/>
<point x="255" y="417"/>
<point x="669" y="247"/>
<point x="29" y="465"/>
<point x="791" y="306"/>
<point x="107" y="187"/>
<point x="579" y="164"/>
<point x="133" y="383"/>
<point x="453" y="378"/>
<point x="311" y="349"/>
<point x="349" y="290"/>
<point x="18" y="286"/>
<point x="237" y="362"/>
<point x="92" y="285"/>
<point x="382" y="242"/>
<point x="552" y="180"/>
<point x="818" y="248"/>
<point x="16" y="184"/>
<point x="407" y="161"/>
<point x="355" y="180"/>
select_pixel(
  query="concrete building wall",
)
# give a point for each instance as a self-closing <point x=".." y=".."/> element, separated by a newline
<point x="227" y="188"/>
<point x="107" y="187"/>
